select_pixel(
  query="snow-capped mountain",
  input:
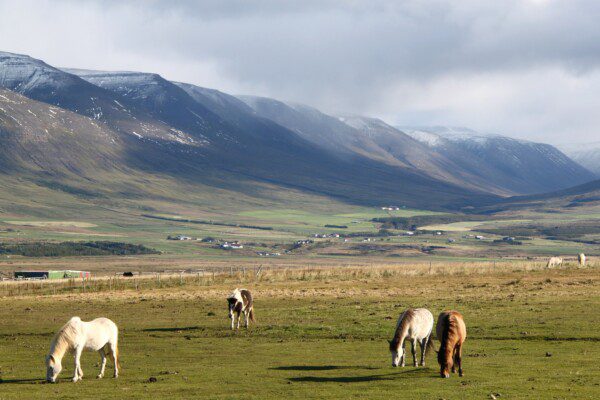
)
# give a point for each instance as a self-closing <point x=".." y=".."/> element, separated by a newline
<point x="522" y="166"/>
<point x="490" y="163"/>
<point x="96" y="128"/>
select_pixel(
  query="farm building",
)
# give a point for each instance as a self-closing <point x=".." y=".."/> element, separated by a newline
<point x="62" y="274"/>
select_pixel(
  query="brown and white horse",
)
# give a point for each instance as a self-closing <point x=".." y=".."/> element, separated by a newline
<point x="240" y="301"/>
<point x="451" y="332"/>
<point x="415" y="325"/>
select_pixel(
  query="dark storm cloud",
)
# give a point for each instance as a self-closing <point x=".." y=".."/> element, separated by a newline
<point x="527" y="68"/>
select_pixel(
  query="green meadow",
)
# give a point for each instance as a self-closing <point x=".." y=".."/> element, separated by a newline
<point x="323" y="335"/>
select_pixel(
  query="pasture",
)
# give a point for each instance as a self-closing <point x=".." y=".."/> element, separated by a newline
<point x="320" y="333"/>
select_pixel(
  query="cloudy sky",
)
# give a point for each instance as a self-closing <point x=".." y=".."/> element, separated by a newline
<point x="526" y="68"/>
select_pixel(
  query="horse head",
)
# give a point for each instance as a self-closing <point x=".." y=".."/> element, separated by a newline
<point x="53" y="368"/>
<point x="397" y="352"/>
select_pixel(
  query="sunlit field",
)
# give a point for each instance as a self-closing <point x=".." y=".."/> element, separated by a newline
<point x="320" y="332"/>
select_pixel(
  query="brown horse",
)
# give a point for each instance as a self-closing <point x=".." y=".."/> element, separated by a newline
<point x="451" y="332"/>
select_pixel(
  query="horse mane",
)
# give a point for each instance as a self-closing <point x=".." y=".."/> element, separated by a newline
<point x="64" y="338"/>
<point x="450" y="330"/>
<point x="405" y="319"/>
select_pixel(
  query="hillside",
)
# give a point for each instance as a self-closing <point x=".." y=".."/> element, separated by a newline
<point x="586" y="154"/>
<point x="580" y="199"/>
<point x="521" y="166"/>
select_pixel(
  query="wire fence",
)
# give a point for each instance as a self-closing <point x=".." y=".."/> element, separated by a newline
<point x="237" y="275"/>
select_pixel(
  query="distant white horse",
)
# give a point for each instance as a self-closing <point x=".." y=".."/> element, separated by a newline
<point x="101" y="335"/>
<point x="554" y="262"/>
<point x="581" y="259"/>
<point x="240" y="301"/>
<point x="415" y="325"/>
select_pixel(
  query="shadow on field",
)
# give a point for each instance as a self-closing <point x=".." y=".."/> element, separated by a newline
<point x="357" y="379"/>
<point x="343" y="379"/>
<point x="319" y="367"/>
<point x="21" y="381"/>
<point x="174" y="329"/>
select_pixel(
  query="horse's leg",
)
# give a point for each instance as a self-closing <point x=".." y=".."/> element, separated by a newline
<point x="459" y="359"/>
<point x="78" y="372"/>
<point x="232" y="321"/>
<point x="423" y="348"/>
<point x="114" y="354"/>
<point x="102" y="362"/>
<point x="401" y="348"/>
<point x="238" y="320"/>
<point x="454" y="360"/>
<point x="246" y="316"/>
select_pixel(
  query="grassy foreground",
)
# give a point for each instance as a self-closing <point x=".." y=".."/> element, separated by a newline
<point x="531" y="334"/>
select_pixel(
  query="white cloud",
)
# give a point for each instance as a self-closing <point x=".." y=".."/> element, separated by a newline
<point x="526" y="68"/>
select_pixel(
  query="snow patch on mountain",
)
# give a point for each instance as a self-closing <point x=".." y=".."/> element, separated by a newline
<point x="428" y="138"/>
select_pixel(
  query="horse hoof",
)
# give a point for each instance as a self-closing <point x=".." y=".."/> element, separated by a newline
<point x="100" y="376"/>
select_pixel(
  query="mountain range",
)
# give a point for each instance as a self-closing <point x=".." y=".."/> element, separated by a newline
<point x="124" y="135"/>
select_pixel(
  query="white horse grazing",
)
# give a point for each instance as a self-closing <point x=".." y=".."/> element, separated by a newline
<point x="100" y="335"/>
<point x="240" y="301"/>
<point x="554" y="262"/>
<point x="415" y="325"/>
<point x="581" y="259"/>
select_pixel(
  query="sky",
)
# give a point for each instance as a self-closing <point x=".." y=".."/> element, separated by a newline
<point x="527" y="69"/>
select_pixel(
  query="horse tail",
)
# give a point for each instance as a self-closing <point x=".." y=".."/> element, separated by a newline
<point x="252" y="314"/>
<point x="430" y="345"/>
<point x="117" y="355"/>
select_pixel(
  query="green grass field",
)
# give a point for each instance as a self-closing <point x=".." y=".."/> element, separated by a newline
<point x="530" y="335"/>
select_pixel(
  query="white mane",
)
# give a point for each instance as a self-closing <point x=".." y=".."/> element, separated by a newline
<point x="65" y="338"/>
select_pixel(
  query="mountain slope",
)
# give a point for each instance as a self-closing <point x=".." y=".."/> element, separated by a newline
<point x="581" y="199"/>
<point x="400" y="146"/>
<point x="497" y="165"/>
<point x="586" y="154"/>
<point x="521" y="166"/>
<point x="162" y="132"/>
